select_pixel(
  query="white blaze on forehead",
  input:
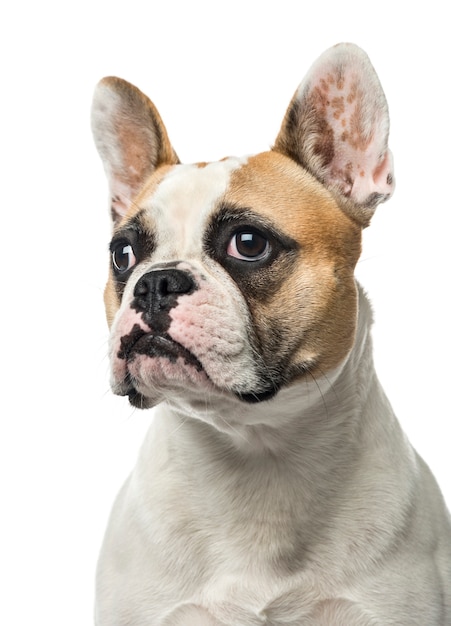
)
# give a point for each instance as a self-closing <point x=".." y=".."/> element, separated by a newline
<point x="183" y="201"/>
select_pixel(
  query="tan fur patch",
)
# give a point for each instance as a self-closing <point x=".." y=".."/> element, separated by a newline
<point x="111" y="300"/>
<point x="318" y="301"/>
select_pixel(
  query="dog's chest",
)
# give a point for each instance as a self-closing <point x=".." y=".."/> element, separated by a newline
<point x="237" y="570"/>
<point x="253" y="514"/>
<point x="251" y="532"/>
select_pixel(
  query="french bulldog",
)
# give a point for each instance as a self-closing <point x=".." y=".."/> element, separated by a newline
<point x="275" y="485"/>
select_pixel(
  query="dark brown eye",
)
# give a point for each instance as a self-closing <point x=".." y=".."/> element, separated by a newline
<point x="123" y="258"/>
<point x="248" y="245"/>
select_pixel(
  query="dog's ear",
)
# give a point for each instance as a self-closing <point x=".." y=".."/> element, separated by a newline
<point x="131" y="139"/>
<point x="337" y="127"/>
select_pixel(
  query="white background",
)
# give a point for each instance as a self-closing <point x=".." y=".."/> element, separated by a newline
<point x="221" y="74"/>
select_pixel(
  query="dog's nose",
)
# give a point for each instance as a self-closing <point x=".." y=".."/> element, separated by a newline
<point x="157" y="291"/>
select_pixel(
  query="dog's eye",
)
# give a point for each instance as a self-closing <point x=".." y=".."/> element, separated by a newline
<point x="248" y="245"/>
<point x="123" y="258"/>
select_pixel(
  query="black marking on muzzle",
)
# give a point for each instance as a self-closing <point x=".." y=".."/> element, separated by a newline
<point x="157" y="292"/>
<point x="154" y="345"/>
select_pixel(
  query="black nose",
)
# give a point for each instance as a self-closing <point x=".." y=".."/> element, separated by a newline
<point x="157" y="292"/>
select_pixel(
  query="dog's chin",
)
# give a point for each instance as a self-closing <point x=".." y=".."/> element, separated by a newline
<point x="138" y="396"/>
<point x="144" y="395"/>
<point x="140" y="401"/>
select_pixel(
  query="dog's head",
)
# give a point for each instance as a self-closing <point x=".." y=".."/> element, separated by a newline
<point x="236" y="278"/>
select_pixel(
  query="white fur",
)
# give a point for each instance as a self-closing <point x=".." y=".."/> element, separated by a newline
<point x="183" y="202"/>
<point x="308" y="514"/>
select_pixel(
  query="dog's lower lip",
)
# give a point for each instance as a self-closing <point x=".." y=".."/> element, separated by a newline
<point x="139" y="342"/>
<point x="160" y="345"/>
<point x="155" y="345"/>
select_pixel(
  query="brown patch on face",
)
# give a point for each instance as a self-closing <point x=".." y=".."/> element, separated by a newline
<point x="111" y="300"/>
<point x="310" y="316"/>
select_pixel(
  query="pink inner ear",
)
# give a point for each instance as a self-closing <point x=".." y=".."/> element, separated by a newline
<point x="379" y="181"/>
<point x="352" y="127"/>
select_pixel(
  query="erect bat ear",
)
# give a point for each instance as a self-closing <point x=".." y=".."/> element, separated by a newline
<point x="131" y="139"/>
<point x="337" y="126"/>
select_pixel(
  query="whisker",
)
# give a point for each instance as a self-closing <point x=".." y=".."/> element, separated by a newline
<point x="331" y="385"/>
<point x="321" y="393"/>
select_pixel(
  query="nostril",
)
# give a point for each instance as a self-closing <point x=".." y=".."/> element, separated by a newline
<point x="175" y="281"/>
<point x="141" y="288"/>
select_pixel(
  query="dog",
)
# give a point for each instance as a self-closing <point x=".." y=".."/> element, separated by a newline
<point x="275" y="485"/>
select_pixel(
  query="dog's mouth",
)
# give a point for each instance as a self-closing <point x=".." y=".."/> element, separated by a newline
<point x="161" y="345"/>
<point x="153" y="345"/>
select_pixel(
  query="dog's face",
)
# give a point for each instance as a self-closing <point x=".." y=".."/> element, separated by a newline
<point x="236" y="278"/>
